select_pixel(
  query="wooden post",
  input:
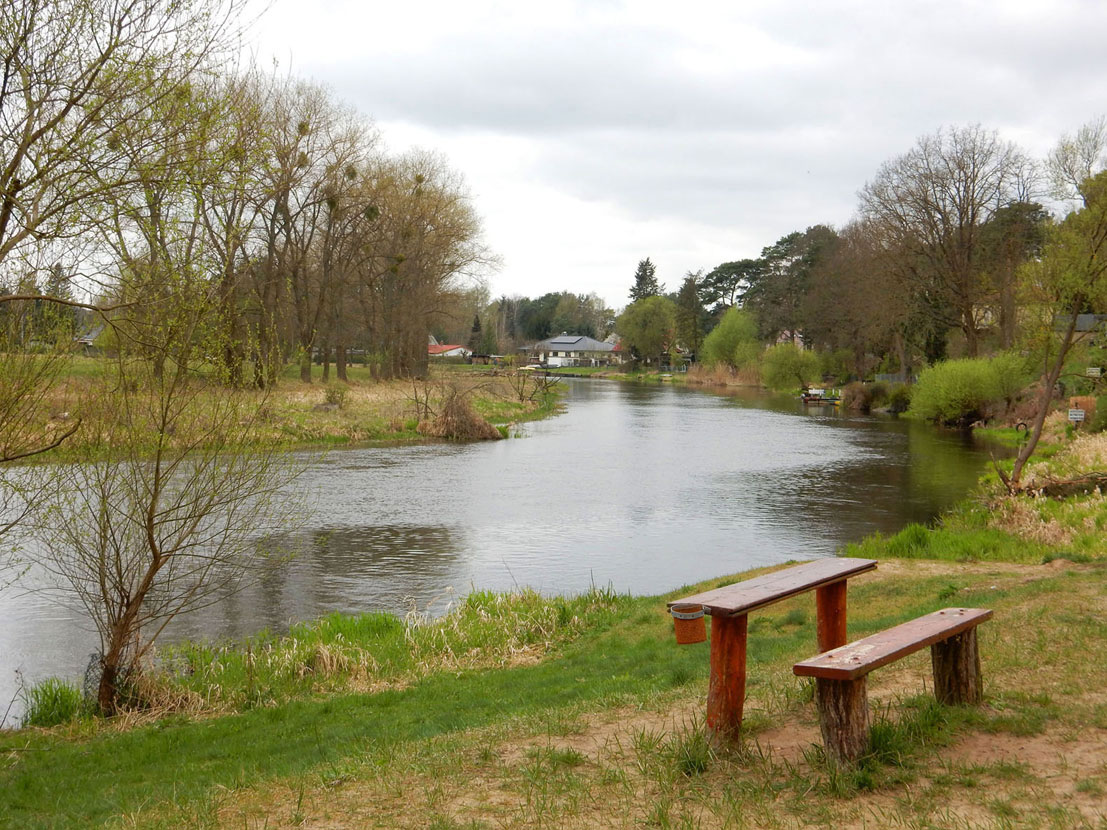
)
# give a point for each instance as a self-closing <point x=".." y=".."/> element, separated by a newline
<point x="830" y="615"/>
<point x="957" y="675"/>
<point x="726" y="689"/>
<point x="843" y="718"/>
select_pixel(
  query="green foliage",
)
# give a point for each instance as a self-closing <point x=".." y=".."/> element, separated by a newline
<point x="733" y="342"/>
<point x="835" y="365"/>
<point x="1099" y="421"/>
<point x="958" y="392"/>
<point x="648" y="326"/>
<point x="787" y="367"/>
<point x="645" y="281"/>
<point x="336" y="394"/>
<point x="53" y="702"/>
<point x="899" y="399"/>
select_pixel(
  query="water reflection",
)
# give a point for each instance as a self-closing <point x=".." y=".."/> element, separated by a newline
<point x="643" y="488"/>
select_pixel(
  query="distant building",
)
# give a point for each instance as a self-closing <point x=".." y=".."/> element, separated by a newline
<point x="446" y="350"/>
<point x="574" y="350"/>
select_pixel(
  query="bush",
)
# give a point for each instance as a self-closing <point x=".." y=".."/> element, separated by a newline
<point x="899" y="399"/>
<point x="959" y="392"/>
<point x="336" y="394"/>
<point x="857" y="397"/>
<point x="52" y="702"/>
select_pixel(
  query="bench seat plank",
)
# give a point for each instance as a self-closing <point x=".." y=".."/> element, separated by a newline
<point x="751" y="594"/>
<point x="857" y="659"/>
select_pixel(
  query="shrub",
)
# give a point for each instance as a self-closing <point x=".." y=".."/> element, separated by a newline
<point x="899" y="399"/>
<point x="959" y="392"/>
<point x="52" y="702"/>
<point x="857" y="397"/>
<point x="336" y="394"/>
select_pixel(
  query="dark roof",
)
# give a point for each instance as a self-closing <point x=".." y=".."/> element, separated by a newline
<point x="574" y="343"/>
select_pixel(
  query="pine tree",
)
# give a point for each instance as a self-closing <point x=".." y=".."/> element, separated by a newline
<point x="645" y="281"/>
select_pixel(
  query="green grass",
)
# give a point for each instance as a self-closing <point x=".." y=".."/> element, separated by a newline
<point x="460" y="691"/>
<point x="950" y="545"/>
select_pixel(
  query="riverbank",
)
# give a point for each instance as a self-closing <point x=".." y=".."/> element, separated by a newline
<point x="292" y="414"/>
<point x="590" y="715"/>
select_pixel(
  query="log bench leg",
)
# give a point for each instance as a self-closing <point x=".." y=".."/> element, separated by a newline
<point x="843" y="718"/>
<point x="957" y="676"/>
<point x="726" y="689"/>
<point x="830" y="615"/>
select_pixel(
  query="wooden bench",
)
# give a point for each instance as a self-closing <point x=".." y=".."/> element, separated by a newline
<point x="728" y="607"/>
<point x="840" y="694"/>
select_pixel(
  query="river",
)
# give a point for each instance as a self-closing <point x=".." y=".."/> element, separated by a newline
<point x="643" y="488"/>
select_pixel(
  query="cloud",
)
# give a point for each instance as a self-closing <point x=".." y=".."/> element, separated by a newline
<point x="712" y="130"/>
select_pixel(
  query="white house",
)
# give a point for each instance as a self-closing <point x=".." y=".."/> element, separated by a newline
<point x="446" y="350"/>
<point x="574" y="350"/>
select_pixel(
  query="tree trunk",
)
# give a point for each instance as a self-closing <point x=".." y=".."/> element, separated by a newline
<point x="956" y="663"/>
<point x="326" y="349"/>
<point x="1049" y="382"/>
<point x="843" y="718"/>
<point x="340" y="361"/>
<point x="305" y="365"/>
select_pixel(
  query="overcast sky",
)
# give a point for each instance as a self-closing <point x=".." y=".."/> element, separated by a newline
<point x="595" y="133"/>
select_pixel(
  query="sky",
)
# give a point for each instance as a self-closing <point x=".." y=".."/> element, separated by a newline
<point x="595" y="133"/>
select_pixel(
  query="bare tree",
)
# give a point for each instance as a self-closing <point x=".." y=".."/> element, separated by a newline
<point x="932" y="202"/>
<point x="162" y="512"/>
<point x="1077" y="158"/>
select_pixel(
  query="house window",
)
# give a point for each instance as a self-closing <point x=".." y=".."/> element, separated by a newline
<point x="553" y="354"/>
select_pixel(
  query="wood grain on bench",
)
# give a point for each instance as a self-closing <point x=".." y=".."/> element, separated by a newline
<point x="841" y="673"/>
<point x="751" y="594"/>
<point x="858" y="659"/>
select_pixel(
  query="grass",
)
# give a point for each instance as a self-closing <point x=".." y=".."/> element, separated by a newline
<point x="293" y="414"/>
<point x="573" y="712"/>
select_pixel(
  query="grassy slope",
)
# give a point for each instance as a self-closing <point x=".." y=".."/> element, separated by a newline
<point x="239" y="770"/>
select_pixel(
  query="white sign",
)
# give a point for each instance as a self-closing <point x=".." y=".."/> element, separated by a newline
<point x="1094" y="371"/>
<point x="1076" y="415"/>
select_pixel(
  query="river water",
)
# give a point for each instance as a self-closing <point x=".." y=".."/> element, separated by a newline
<point x="642" y="488"/>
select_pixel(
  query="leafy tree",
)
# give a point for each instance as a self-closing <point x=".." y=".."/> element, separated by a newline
<point x="475" y="335"/>
<point x="690" y="313"/>
<point x="1069" y="279"/>
<point x="648" y="327"/>
<point x="787" y="367"/>
<point x="725" y="285"/>
<point x="777" y="289"/>
<point x="734" y="341"/>
<point x="645" y="281"/>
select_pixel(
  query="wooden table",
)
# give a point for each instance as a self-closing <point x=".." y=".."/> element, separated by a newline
<point x="729" y="605"/>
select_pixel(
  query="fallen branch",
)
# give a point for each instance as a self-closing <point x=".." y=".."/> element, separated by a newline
<point x="1059" y="489"/>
